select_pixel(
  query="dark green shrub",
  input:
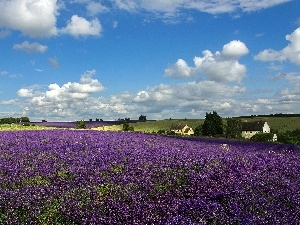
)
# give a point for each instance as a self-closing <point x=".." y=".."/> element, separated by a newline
<point x="161" y="132"/>
<point x="127" y="127"/>
<point x="198" y="131"/>
<point x="262" y="137"/>
<point x="80" y="124"/>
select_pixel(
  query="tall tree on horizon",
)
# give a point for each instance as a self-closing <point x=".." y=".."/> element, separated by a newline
<point x="213" y="124"/>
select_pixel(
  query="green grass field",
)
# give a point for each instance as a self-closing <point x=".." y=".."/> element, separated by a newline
<point x="20" y="127"/>
<point x="154" y="126"/>
<point x="280" y="124"/>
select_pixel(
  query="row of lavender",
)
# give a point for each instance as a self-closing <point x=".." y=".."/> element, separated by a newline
<point x="92" y="177"/>
<point x="89" y="124"/>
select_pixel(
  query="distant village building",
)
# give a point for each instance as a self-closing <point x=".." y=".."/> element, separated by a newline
<point x="182" y="129"/>
<point x="274" y="137"/>
<point x="251" y="128"/>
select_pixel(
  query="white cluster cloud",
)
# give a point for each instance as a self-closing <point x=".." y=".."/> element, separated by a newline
<point x="74" y="100"/>
<point x="290" y="53"/>
<point x="221" y="66"/>
<point x="78" y="100"/>
<point x="67" y="100"/>
<point x="208" y="6"/>
<point x="34" y="47"/>
<point x="36" y="18"/>
<point x="79" y="26"/>
<point x="179" y="70"/>
<point x="33" y="18"/>
<point x="25" y="92"/>
<point x="69" y="91"/>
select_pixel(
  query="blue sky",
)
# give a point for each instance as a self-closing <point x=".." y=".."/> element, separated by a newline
<point x="110" y="59"/>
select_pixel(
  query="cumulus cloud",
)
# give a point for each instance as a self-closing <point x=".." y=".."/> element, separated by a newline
<point x="171" y="8"/>
<point x="285" y="100"/>
<point x="9" y="102"/>
<point x="79" y="26"/>
<point x="74" y="90"/>
<point x="179" y="70"/>
<point x="68" y="99"/>
<point x="77" y="100"/>
<point x="34" y="47"/>
<point x="234" y="50"/>
<point x="36" y="18"/>
<point x="25" y="93"/>
<point x="31" y="17"/>
<point x="221" y="66"/>
<point x="290" y="53"/>
<point x="71" y="90"/>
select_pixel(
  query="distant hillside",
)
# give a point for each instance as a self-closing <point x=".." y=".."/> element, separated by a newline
<point x="281" y="124"/>
<point x="272" y="115"/>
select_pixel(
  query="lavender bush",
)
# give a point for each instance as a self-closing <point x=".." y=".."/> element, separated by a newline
<point x="92" y="177"/>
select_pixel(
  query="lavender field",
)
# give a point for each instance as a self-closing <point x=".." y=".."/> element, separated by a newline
<point x="91" y="177"/>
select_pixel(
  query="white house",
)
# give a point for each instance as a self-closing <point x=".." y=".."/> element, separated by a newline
<point x="182" y="129"/>
<point x="251" y="128"/>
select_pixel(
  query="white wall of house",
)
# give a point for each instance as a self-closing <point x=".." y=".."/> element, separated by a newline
<point x="183" y="131"/>
<point x="266" y="128"/>
<point x="249" y="134"/>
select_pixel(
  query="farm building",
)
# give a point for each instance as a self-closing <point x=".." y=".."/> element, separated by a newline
<point x="182" y="129"/>
<point x="251" y="128"/>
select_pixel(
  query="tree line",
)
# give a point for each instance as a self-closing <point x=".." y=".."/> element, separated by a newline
<point x="10" y="120"/>
<point x="213" y="126"/>
<point x="272" y="115"/>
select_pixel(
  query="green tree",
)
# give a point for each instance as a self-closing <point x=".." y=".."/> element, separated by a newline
<point x="24" y="119"/>
<point x="198" y="131"/>
<point x="289" y="137"/>
<point x="233" y="129"/>
<point x="142" y="117"/>
<point x="127" y="127"/>
<point x="213" y="125"/>
<point x="10" y="120"/>
<point x="80" y="124"/>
